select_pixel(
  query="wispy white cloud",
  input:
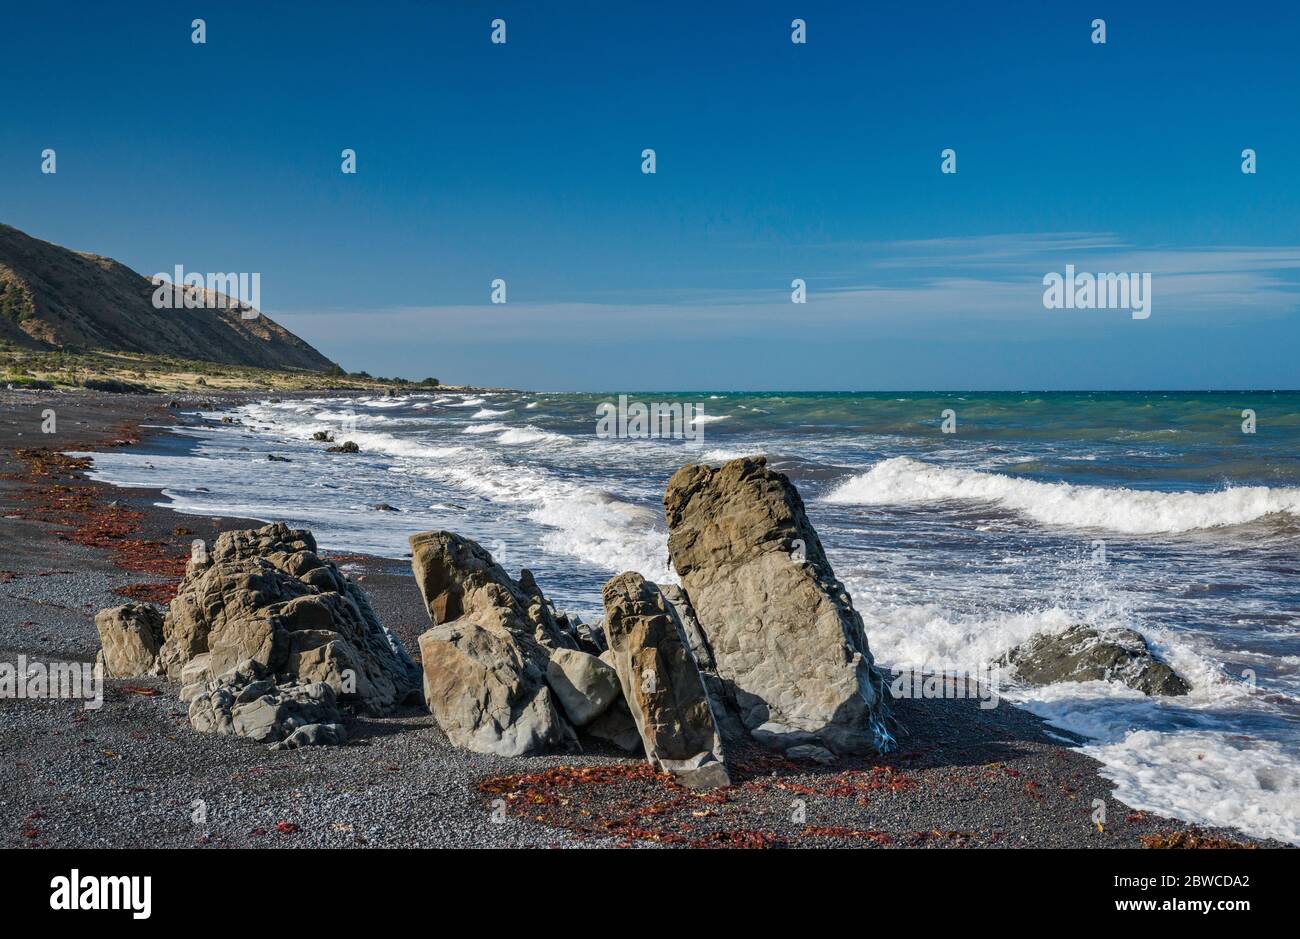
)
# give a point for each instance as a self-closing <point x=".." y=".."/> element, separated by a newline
<point x="964" y="284"/>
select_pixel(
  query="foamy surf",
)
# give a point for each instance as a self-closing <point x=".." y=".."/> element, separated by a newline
<point x="937" y="590"/>
<point x="907" y="481"/>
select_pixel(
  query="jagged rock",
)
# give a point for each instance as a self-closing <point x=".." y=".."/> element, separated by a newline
<point x="458" y="578"/>
<point x="324" y="436"/>
<point x="347" y="446"/>
<point x="485" y="660"/>
<point x="1084" y="653"/>
<point x="265" y="595"/>
<point x="245" y="702"/>
<point x="584" y="685"/>
<point x="783" y="633"/>
<point x="590" y="636"/>
<point x="661" y="684"/>
<point x="130" y="637"/>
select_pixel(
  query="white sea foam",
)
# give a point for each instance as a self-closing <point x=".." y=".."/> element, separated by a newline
<point x="530" y="435"/>
<point x="1201" y="756"/>
<point x="484" y="413"/>
<point x="905" y="481"/>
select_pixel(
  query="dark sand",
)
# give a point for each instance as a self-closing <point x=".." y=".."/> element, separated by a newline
<point x="134" y="774"/>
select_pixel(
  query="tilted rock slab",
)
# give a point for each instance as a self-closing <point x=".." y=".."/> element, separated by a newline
<point x="264" y="595"/>
<point x="1085" y="653"/>
<point x="785" y="638"/>
<point x="486" y="657"/>
<point x="661" y="684"/>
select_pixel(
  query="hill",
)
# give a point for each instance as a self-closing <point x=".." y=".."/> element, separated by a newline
<point x="56" y="299"/>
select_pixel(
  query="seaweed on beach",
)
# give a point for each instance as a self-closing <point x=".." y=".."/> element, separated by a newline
<point x="1191" y="839"/>
<point x="58" y="493"/>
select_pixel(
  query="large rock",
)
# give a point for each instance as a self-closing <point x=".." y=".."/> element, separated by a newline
<point x="1085" y="653"/>
<point x="130" y="637"/>
<point x="661" y="684"/>
<point x="487" y="693"/>
<point x="585" y="685"/>
<point x="787" y="643"/>
<point x="264" y="595"/>
<point x="458" y="578"/>
<point x="485" y="659"/>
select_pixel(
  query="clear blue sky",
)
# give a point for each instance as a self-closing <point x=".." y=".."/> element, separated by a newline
<point x="775" y="161"/>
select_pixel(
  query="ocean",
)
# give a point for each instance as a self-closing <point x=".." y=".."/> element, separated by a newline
<point x="1153" y="511"/>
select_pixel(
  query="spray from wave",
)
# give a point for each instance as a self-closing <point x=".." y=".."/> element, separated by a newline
<point x="905" y="481"/>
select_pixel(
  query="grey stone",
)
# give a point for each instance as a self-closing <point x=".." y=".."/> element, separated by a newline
<point x="486" y="658"/>
<point x="661" y="685"/>
<point x="1085" y="653"/>
<point x="786" y="641"/>
<point x="584" y="685"/>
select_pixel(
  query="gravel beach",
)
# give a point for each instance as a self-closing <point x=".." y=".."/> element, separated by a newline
<point x="133" y="773"/>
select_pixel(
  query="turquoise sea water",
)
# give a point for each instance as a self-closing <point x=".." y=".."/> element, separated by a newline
<point x="1153" y="511"/>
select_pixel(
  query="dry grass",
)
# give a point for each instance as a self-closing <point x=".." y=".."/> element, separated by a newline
<point x="171" y="375"/>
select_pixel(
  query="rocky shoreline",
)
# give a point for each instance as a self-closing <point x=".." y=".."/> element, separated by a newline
<point x="768" y="768"/>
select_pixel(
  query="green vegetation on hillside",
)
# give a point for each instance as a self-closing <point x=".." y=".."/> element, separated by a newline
<point x="136" y="372"/>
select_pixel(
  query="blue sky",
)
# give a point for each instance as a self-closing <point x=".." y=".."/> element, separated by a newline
<point x="775" y="161"/>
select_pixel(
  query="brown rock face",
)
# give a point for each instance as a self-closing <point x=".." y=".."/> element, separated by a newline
<point x="788" y="645"/>
<point x="661" y="684"/>
<point x="486" y="658"/>
<point x="458" y="578"/>
<point x="130" y="637"/>
<point x="264" y="596"/>
<point x="55" y="298"/>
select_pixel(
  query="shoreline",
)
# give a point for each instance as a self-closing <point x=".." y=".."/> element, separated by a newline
<point x="129" y="774"/>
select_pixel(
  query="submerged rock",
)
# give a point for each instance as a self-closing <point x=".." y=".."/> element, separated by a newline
<point x="661" y="685"/>
<point x="1085" y="653"/>
<point x="788" y="645"/>
<point x="345" y="447"/>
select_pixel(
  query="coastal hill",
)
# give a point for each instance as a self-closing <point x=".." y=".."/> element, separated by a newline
<point x="56" y="299"/>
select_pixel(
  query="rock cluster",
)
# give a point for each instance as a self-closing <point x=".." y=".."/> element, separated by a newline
<point x="760" y="643"/>
<point x="504" y="671"/>
<point x="259" y="626"/>
<point x="1085" y="653"/>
